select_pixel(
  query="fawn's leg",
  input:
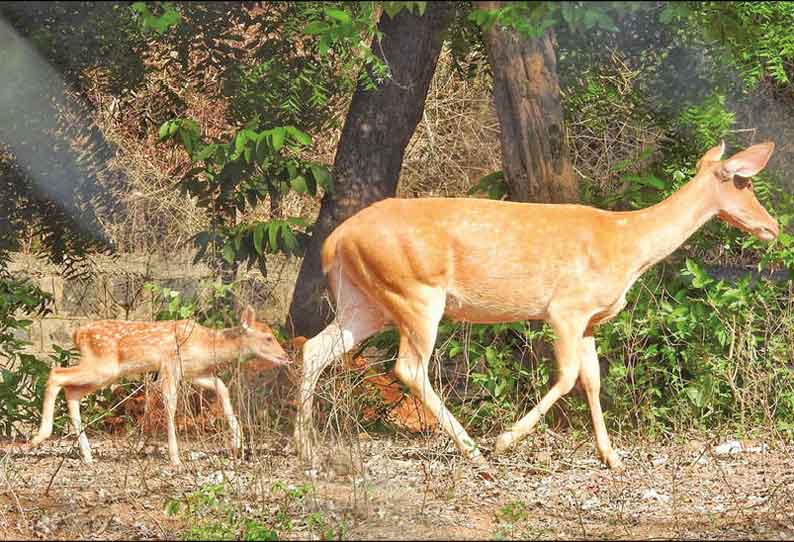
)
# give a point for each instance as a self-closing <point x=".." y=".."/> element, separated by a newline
<point x="169" y="382"/>
<point x="73" y="397"/>
<point x="48" y="408"/>
<point x="222" y="392"/>
<point x="79" y="376"/>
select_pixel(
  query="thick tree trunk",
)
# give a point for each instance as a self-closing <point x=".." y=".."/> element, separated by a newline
<point x="526" y="91"/>
<point x="369" y="157"/>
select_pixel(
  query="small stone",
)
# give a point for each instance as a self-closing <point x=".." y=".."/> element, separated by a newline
<point x="652" y="494"/>
<point x="728" y="448"/>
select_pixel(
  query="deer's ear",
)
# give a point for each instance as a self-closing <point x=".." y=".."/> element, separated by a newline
<point x="248" y="317"/>
<point x="712" y="155"/>
<point x="750" y="161"/>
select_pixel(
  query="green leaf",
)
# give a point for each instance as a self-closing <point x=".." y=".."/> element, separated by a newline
<point x="322" y="176"/>
<point x="228" y="253"/>
<point x="165" y="129"/>
<point x="272" y="232"/>
<point x="301" y="137"/>
<point x="339" y="15"/>
<point x="289" y="238"/>
<point x="278" y="133"/>
<point x="298" y="184"/>
<point x="647" y="180"/>
<point x="205" y="152"/>
<point x="259" y="236"/>
<point x="315" y="27"/>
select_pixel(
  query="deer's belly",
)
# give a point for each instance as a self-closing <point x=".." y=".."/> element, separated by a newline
<point x="484" y="307"/>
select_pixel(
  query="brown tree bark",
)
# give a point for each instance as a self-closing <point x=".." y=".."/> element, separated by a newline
<point x="369" y="157"/>
<point x="526" y="90"/>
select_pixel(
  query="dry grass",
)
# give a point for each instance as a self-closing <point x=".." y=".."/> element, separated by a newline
<point x="618" y="137"/>
<point x="457" y="141"/>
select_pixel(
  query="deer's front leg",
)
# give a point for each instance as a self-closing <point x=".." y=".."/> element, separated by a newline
<point x="222" y="392"/>
<point x="590" y="380"/>
<point x="566" y="353"/>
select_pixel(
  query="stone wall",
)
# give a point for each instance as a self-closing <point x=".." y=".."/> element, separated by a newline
<point x="116" y="290"/>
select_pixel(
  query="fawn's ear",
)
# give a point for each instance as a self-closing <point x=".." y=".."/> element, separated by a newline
<point x="712" y="155"/>
<point x="247" y="318"/>
<point x="750" y="161"/>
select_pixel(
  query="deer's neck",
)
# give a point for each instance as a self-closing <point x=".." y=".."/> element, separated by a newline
<point x="658" y="230"/>
<point x="225" y="346"/>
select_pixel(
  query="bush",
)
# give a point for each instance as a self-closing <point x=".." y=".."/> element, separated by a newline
<point x="23" y="374"/>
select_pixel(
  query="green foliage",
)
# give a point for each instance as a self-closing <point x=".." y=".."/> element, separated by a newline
<point x="350" y="31"/>
<point x="168" y="17"/>
<point x="709" y="121"/>
<point x="532" y="19"/>
<point x="252" y="165"/>
<point x="212" y="515"/>
<point x="698" y="346"/>
<point x="23" y="375"/>
<point x="211" y="306"/>
<point x="757" y="35"/>
<point x="493" y="185"/>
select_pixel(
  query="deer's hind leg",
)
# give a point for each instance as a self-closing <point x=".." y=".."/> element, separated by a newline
<point x="357" y="318"/>
<point x="170" y="376"/>
<point x="418" y="317"/>
<point x="590" y="381"/>
<point x="73" y="396"/>
<point x="80" y="377"/>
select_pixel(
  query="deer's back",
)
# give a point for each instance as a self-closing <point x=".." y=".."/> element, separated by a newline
<point x="133" y="346"/>
<point x="497" y="261"/>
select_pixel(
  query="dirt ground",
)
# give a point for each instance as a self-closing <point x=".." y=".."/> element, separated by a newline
<point x="551" y="487"/>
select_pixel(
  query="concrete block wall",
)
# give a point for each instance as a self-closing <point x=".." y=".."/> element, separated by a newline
<point x="116" y="291"/>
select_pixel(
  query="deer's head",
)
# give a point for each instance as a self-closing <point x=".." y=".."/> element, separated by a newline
<point x="735" y="199"/>
<point x="258" y="339"/>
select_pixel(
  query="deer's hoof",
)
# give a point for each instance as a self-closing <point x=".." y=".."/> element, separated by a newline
<point x="484" y="470"/>
<point x="503" y="442"/>
<point x="612" y="460"/>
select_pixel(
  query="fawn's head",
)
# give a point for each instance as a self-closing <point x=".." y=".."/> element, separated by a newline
<point x="735" y="199"/>
<point x="258" y="339"/>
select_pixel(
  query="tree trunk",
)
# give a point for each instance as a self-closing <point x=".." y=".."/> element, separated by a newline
<point x="526" y="90"/>
<point x="369" y="157"/>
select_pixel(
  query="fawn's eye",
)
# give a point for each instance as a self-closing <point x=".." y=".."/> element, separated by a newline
<point x="742" y="182"/>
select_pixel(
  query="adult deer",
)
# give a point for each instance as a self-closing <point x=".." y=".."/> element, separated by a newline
<point x="112" y="349"/>
<point x="408" y="262"/>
